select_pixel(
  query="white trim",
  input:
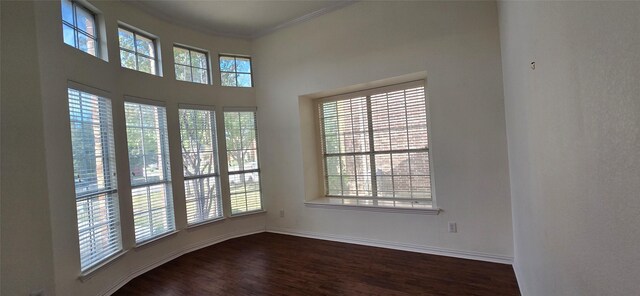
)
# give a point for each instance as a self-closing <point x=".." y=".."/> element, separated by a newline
<point x="494" y="258"/>
<point x="144" y="101"/>
<point x="125" y="279"/>
<point x="241" y="109"/>
<point x="323" y="204"/>
<point x="200" y="107"/>
<point x="79" y="86"/>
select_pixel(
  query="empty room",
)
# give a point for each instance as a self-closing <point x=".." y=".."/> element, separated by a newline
<point x="334" y="147"/>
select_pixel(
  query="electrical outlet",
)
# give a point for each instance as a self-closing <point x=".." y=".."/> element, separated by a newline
<point x="281" y="213"/>
<point x="453" y="227"/>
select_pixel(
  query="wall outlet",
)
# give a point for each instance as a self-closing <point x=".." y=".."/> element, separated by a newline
<point x="453" y="227"/>
<point x="281" y="213"/>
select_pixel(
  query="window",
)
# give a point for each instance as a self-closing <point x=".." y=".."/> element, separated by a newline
<point x="200" y="164"/>
<point x="79" y="27"/>
<point x="191" y="65"/>
<point x="94" y="175"/>
<point x="138" y="51"/>
<point x="149" y="166"/>
<point x="375" y="147"/>
<point x="242" y="160"/>
<point x="235" y="71"/>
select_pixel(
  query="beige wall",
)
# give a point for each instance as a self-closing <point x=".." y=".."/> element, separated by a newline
<point x="573" y="127"/>
<point x="40" y="248"/>
<point x="457" y="44"/>
<point x="27" y="263"/>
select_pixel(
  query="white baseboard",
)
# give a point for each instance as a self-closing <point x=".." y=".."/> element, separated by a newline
<point x="399" y="246"/>
<point x="125" y="279"/>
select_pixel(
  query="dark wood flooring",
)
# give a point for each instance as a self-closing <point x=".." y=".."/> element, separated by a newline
<point x="275" y="264"/>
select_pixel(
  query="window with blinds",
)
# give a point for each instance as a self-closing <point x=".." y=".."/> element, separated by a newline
<point x="151" y="193"/>
<point x="200" y="163"/>
<point x="242" y="160"/>
<point x="94" y="175"/>
<point x="375" y="146"/>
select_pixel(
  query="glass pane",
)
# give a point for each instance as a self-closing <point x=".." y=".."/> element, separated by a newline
<point x="199" y="59"/>
<point x="203" y="199"/>
<point x="68" y="34"/>
<point x="227" y="64"/>
<point x="86" y="44"/>
<point x="244" y="80"/>
<point x="145" y="46"/>
<point x="86" y="21"/>
<point x="243" y="65"/>
<point x="126" y="39"/>
<point x="228" y="79"/>
<point x="67" y="11"/>
<point x="183" y="73"/>
<point x="181" y="56"/>
<point x="146" y="65"/>
<point x="200" y="76"/>
<point x="127" y="59"/>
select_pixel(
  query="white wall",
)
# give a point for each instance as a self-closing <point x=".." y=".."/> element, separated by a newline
<point x="457" y="44"/>
<point x="40" y="248"/>
<point x="573" y="128"/>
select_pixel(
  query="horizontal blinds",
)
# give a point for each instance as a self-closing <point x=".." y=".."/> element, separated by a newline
<point x="376" y="145"/>
<point x="200" y="165"/>
<point x="94" y="177"/>
<point x="149" y="166"/>
<point x="242" y="160"/>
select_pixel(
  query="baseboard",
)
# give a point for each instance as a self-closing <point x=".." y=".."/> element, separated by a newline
<point x="125" y="279"/>
<point x="398" y="246"/>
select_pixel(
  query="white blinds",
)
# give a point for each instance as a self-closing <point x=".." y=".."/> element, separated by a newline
<point x="150" y="174"/>
<point x="242" y="159"/>
<point x="375" y="145"/>
<point x="200" y="165"/>
<point x="94" y="177"/>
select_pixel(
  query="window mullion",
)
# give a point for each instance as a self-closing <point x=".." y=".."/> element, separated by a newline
<point x="372" y="160"/>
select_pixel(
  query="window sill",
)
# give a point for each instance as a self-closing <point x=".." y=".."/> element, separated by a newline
<point x="247" y="213"/>
<point x="207" y="222"/>
<point x="155" y="239"/>
<point x="85" y="275"/>
<point x="339" y="203"/>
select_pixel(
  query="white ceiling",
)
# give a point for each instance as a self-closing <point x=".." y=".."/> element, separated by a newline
<point x="239" y="18"/>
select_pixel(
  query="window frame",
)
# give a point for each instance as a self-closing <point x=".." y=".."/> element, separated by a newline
<point x="75" y="5"/>
<point x="235" y="72"/>
<point x="111" y="194"/>
<point x="215" y="152"/>
<point x="243" y="171"/>
<point x="156" y="48"/>
<point x="400" y="204"/>
<point x="190" y="49"/>
<point x="167" y="181"/>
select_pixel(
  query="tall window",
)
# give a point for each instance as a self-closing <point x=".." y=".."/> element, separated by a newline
<point x="149" y="166"/>
<point x="375" y="147"/>
<point x="191" y="65"/>
<point x="200" y="164"/>
<point x="242" y="158"/>
<point x="138" y="51"/>
<point x="94" y="175"/>
<point x="235" y="71"/>
<point x="79" y="27"/>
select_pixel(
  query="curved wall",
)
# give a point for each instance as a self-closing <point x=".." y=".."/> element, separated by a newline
<point x="58" y="64"/>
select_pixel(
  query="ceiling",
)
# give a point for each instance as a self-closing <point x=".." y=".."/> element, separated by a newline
<point x="238" y="18"/>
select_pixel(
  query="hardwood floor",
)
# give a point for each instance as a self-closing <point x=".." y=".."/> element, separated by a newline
<point x="275" y="264"/>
